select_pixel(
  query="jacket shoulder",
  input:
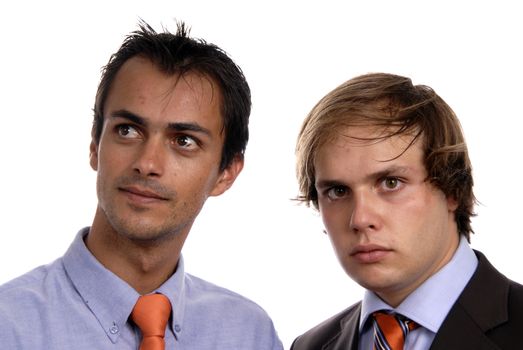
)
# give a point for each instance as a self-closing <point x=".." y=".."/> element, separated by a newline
<point x="507" y="335"/>
<point x="487" y="315"/>
<point x="326" y="332"/>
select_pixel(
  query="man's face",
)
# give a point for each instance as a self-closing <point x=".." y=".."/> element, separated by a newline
<point x="391" y="229"/>
<point x="159" y="153"/>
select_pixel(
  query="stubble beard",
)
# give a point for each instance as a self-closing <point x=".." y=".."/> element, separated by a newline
<point x="139" y="231"/>
<point x="131" y="226"/>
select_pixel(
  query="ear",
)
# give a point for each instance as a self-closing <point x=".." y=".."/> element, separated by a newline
<point x="452" y="204"/>
<point x="227" y="176"/>
<point x="93" y="155"/>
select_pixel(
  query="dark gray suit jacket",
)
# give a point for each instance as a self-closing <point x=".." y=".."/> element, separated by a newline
<point x="487" y="315"/>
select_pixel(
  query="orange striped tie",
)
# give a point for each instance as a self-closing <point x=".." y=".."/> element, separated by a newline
<point x="151" y="314"/>
<point x="390" y="330"/>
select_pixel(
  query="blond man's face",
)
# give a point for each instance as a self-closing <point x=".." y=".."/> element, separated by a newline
<point x="390" y="228"/>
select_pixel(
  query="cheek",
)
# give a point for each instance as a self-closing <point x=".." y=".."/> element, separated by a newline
<point x="337" y="225"/>
<point x="107" y="168"/>
<point x="194" y="187"/>
<point x="335" y="217"/>
<point x="105" y="161"/>
<point x="339" y="243"/>
<point x="421" y="227"/>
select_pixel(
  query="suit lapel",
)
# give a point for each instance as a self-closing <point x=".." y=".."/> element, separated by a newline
<point x="459" y="331"/>
<point x="482" y="305"/>
<point x="347" y="339"/>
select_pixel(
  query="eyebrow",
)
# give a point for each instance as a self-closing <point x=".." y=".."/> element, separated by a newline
<point x="372" y="176"/>
<point x="122" y="113"/>
<point x="328" y="184"/>
<point x="388" y="171"/>
<point x="178" y="126"/>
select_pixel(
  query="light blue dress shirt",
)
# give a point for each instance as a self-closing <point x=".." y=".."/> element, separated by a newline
<point x="76" y="303"/>
<point x="428" y="305"/>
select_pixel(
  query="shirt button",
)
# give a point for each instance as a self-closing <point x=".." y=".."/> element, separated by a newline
<point x="177" y="328"/>
<point x="113" y="329"/>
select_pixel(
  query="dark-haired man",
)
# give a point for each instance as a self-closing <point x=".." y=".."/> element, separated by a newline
<point x="170" y="130"/>
<point x="386" y="165"/>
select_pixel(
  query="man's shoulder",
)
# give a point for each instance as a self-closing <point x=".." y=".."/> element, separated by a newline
<point x="32" y="282"/>
<point x="24" y="299"/>
<point x="486" y="274"/>
<point x="327" y="331"/>
<point x="489" y="311"/>
<point x="487" y="283"/>
<point x="204" y="294"/>
<point x="244" y="322"/>
<point x="502" y="290"/>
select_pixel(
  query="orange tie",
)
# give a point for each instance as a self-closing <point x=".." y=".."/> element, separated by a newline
<point x="390" y="330"/>
<point x="151" y="314"/>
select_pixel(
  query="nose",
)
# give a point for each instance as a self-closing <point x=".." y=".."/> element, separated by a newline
<point x="364" y="216"/>
<point x="150" y="159"/>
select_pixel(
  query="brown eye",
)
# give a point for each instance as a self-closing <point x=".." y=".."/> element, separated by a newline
<point x="391" y="183"/>
<point x="337" y="192"/>
<point x="126" y="131"/>
<point x="182" y="140"/>
<point x="185" y="141"/>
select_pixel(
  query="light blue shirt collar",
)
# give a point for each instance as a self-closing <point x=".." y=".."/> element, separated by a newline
<point x="110" y="298"/>
<point x="430" y="303"/>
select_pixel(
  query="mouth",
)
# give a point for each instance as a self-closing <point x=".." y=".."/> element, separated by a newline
<point x="142" y="194"/>
<point x="369" y="253"/>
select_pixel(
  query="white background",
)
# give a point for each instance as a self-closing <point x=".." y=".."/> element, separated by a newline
<point x="254" y="239"/>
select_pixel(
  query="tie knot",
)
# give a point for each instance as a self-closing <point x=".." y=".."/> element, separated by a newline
<point x="393" y="320"/>
<point x="151" y="314"/>
<point x="391" y="329"/>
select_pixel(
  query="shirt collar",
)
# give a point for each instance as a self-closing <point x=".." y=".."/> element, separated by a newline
<point x="174" y="289"/>
<point x="110" y="298"/>
<point x="430" y="303"/>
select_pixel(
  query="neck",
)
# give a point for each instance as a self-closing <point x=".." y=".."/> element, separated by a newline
<point x="144" y="265"/>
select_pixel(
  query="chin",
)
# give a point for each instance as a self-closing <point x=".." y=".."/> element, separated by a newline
<point x="142" y="231"/>
<point x="373" y="280"/>
<point x="148" y="236"/>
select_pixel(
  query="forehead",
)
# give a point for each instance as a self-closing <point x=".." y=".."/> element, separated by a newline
<point x="365" y="149"/>
<point x="141" y="81"/>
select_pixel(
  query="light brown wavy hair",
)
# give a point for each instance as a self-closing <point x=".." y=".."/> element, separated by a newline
<point x="400" y="108"/>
